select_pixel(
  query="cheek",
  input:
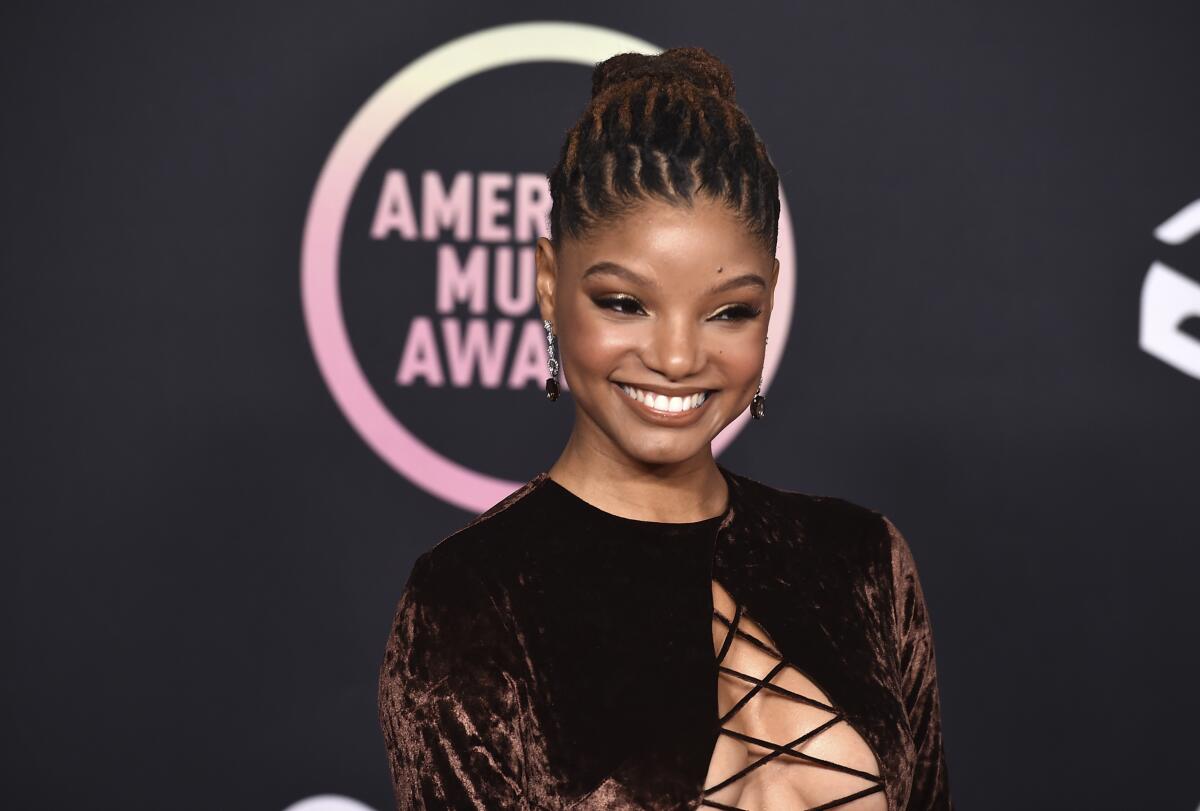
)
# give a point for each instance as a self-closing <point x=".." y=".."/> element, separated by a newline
<point x="597" y="344"/>
<point x="740" y="357"/>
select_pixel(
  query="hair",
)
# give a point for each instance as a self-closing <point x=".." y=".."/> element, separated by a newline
<point x="666" y="127"/>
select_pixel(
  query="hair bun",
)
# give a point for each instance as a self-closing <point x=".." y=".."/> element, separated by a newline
<point x="695" y="65"/>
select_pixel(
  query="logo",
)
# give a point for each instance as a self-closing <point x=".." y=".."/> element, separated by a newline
<point x="1171" y="300"/>
<point x="417" y="272"/>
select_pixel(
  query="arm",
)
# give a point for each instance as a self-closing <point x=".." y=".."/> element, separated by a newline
<point x="449" y="704"/>
<point x="914" y="634"/>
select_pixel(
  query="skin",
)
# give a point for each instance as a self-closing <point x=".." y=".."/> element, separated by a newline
<point x="667" y="331"/>
<point x="674" y="334"/>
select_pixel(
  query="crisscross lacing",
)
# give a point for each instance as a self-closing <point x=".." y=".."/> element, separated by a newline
<point x="776" y="749"/>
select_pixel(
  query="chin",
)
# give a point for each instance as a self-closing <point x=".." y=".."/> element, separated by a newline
<point x="664" y="458"/>
<point x="649" y="452"/>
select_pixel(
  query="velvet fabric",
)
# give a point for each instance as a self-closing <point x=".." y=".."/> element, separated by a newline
<point x="551" y="655"/>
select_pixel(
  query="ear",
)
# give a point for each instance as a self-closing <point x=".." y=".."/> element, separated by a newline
<point x="547" y="279"/>
<point x="774" y="282"/>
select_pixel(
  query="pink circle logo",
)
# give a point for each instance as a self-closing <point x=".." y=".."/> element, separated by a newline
<point x="322" y="259"/>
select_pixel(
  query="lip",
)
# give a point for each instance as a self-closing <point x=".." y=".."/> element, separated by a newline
<point x="674" y="419"/>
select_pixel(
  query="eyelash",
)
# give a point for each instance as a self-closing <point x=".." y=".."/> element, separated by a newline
<point x="738" y="312"/>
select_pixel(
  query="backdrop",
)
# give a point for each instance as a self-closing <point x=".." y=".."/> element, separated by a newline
<point x="267" y="337"/>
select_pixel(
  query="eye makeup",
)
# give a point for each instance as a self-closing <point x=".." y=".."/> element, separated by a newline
<point x="628" y="305"/>
<point x="738" y="312"/>
<point x="619" y="304"/>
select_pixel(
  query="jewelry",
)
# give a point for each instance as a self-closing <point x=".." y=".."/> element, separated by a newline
<point x="758" y="405"/>
<point x="551" y="361"/>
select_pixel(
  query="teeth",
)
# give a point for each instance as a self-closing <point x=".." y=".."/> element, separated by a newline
<point x="661" y="402"/>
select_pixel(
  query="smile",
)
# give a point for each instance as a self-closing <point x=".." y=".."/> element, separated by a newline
<point x="664" y="405"/>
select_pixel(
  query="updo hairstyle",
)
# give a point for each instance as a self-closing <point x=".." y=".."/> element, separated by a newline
<point x="664" y="126"/>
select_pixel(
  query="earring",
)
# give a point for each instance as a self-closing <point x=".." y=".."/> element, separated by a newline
<point x="758" y="405"/>
<point x="552" y="362"/>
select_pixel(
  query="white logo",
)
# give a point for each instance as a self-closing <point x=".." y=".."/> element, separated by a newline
<point x="1169" y="298"/>
<point x="328" y="802"/>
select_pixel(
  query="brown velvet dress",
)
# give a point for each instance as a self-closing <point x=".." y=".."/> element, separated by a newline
<point x="551" y="655"/>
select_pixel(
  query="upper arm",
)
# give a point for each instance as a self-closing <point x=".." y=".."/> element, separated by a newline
<point x="450" y="704"/>
<point x="918" y="670"/>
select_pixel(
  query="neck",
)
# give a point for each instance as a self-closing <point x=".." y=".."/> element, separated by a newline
<point x="674" y="492"/>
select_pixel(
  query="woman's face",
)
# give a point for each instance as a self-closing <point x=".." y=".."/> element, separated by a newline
<point x="661" y="318"/>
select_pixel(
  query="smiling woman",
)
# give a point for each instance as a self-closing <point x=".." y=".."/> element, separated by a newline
<point x="639" y="627"/>
<point x="671" y="300"/>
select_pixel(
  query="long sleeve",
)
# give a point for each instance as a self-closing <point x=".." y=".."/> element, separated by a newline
<point x="930" y="784"/>
<point x="450" y="705"/>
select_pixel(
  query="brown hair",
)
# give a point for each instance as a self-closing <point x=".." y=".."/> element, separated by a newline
<point x="665" y="126"/>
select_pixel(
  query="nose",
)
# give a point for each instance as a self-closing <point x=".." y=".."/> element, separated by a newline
<point x="675" y="349"/>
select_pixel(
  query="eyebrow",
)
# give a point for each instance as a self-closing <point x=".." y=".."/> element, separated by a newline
<point x="613" y="269"/>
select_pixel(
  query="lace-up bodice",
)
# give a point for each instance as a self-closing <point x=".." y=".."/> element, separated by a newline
<point x="783" y="745"/>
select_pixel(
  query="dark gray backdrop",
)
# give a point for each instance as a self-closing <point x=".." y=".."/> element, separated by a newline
<point x="201" y="556"/>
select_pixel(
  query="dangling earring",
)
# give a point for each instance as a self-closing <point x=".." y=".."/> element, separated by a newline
<point x="552" y="362"/>
<point x="758" y="405"/>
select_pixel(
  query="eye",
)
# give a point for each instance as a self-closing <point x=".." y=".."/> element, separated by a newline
<point x="621" y="304"/>
<point x="737" y="312"/>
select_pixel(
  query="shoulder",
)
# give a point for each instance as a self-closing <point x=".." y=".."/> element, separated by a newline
<point x="853" y="537"/>
<point x="480" y="547"/>
<point x="454" y="593"/>
<point x="832" y="522"/>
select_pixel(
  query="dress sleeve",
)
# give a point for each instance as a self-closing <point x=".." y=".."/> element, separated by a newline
<point x="930" y="784"/>
<point x="450" y="704"/>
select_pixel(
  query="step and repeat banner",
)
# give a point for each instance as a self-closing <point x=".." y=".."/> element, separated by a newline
<point x="271" y="333"/>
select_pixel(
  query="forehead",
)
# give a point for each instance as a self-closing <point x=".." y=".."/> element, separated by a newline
<point x="665" y="239"/>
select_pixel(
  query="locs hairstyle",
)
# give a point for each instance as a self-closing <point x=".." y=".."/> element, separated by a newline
<point x="662" y="126"/>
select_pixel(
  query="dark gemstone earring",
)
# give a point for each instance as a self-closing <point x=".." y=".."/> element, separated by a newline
<point x="758" y="406"/>
<point x="552" y="362"/>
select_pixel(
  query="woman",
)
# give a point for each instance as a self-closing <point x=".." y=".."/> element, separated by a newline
<point x="639" y="627"/>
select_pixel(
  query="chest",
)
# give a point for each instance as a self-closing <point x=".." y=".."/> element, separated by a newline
<point x="782" y="743"/>
<point x="643" y="690"/>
